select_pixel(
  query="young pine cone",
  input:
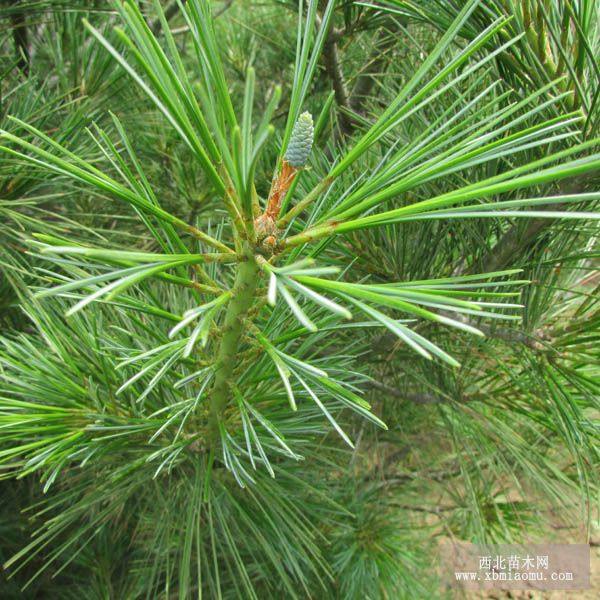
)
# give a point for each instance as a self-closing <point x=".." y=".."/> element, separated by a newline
<point x="301" y="142"/>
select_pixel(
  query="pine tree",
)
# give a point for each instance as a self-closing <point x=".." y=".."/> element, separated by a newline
<point x="268" y="326"/>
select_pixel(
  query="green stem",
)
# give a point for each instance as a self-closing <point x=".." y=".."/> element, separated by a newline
<point x="310" y="235"/>
<point x="304" y="203"/>
<point x="242" y="299"/>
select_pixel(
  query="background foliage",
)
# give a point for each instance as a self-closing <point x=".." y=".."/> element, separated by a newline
<point x="119" y="477"/>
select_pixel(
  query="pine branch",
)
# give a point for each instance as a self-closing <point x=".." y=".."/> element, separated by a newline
<point x="354" y="102"/>
<point x="377" y="60"/>
<point x="335" y="72"/>
<point x="515" y="240"/>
